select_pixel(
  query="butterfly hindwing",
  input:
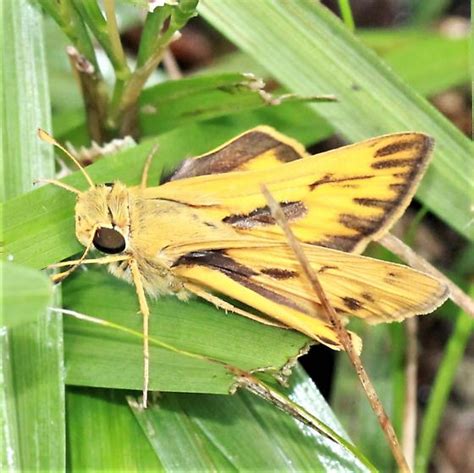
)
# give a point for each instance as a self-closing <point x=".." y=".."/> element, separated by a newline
<point x="271" y="281"/>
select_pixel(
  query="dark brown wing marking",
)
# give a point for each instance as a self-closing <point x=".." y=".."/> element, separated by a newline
<point x="262" y="215"/>
<point x="351" y="303"/>
<point x="235" y="154"/>
<point x="328" y="179"/>
<point x="217" y="259"/>
<point x="394" y="163"/>
<point x="278" y="273"/>
<point x="364" y="226"/>
<point x="383" y="204"/>
<point x="368" y="297"/>
<point x="338" y="242"/>
<point x="421" y="147"/>
<point x="396" y="148"/>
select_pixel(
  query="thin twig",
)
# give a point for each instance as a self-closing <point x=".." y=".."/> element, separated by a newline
<point x="113" y="32"/>
<point x="93" y="92"/>
<point x="404" y="252"/>
<point x="171" y="66"/>
<point x="127" y="111"/>
<point x="342" y="334"/>
<point x="411" y="371"/>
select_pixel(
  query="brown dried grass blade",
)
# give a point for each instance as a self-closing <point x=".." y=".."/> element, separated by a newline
<point x="342" y="334"/>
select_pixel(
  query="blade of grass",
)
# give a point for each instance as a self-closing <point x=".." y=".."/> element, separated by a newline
<point x="426" y="60"/>
<point x="170" y="430"/>
<point x="245" y="433"/>
<point x="346" y="14"/>
<point x="453" y="354"/>
<point x="316" y="54"/>
<point x="25" y="294"/>
<point x="104" y="436"/>
<point x="177" y="103"/>
<point x="173" y="104"/>
<point x="199" y="456"/>
<point x="32" y="366"/>
<point x="195" y="327"/>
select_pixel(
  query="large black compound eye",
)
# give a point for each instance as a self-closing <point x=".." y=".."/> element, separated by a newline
<point x="109" y="240"/>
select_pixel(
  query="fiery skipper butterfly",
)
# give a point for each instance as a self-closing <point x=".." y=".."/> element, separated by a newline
<point x="207" y="231"/>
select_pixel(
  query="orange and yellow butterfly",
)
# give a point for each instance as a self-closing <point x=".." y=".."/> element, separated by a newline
<point x="208" y="231"/>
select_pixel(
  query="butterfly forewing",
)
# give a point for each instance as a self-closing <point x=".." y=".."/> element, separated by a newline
<point x="259" y="148"/>
<point x="340" y="199"/>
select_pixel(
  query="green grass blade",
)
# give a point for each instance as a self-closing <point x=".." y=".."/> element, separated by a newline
<point x="104" y="436"/>
<point x="174" y="104"/>
<point x="9" y="434"/>
<point x="25" y="102"/>
<point x="245" y="433"/>
<point x="25" y="294"/>
<point x="426" y="60"/>
<point x="31" y="353"/>
<point x="195" y="327"/>
<point x="171" y="430"/>
<point x="346" y="14"/>
<point x="317" y="55"/>
<point x="177" y="103"/>
<point x="453" y="354"/>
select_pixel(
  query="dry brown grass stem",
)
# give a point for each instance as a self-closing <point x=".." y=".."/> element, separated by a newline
<point x="342" y="333"/>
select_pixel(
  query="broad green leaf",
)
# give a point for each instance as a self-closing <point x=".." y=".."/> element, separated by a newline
<point x="104" y="357"/>
<point x="32" y="390"/>
<point x="317" y="55"/>
<point x="25" y="294"/>
<point x="243" y="433"/>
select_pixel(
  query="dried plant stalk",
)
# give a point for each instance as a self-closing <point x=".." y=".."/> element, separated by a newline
<point x="342" y="334"/>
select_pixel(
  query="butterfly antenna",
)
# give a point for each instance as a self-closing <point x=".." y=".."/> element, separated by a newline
<point x="46" y="137"/>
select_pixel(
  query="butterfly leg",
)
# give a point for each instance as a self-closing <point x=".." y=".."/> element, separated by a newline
<point x="144" y="309"/>
<point x="146" y="168"/>
<point x="103" y="260"/>
<point x="221" y="304"/>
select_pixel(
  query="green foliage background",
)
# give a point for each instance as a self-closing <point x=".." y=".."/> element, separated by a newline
<point x="54" y="409"/>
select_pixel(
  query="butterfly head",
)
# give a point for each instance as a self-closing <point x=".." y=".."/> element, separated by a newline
<point x="102" y="211"/>
<point x="102" y="215"/>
